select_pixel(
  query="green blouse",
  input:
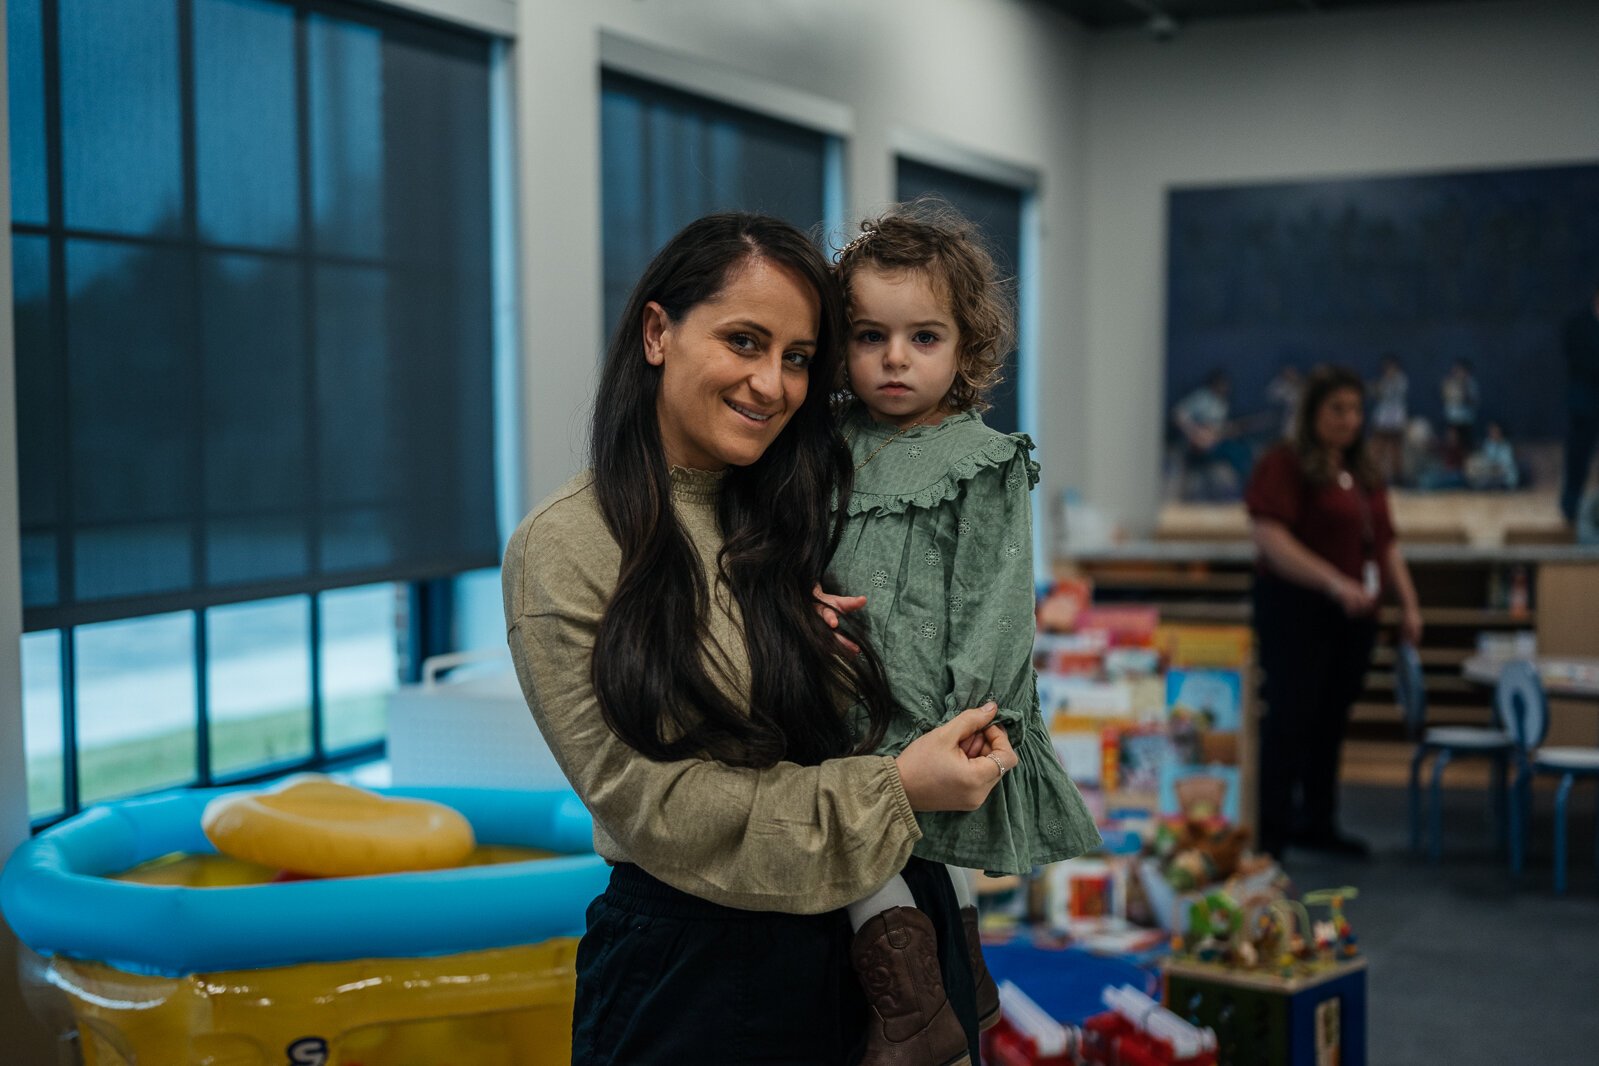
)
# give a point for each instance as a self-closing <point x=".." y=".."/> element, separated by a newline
<point x="938" y="538"/>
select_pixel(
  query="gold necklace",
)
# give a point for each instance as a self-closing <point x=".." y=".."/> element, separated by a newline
<point x="886" y="443"/>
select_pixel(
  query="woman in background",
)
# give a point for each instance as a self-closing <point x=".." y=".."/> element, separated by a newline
<point x="1327" y="552"/>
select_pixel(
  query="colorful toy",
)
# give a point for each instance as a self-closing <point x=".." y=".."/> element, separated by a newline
<point x="1335" y="936"/>
<point x="1290" y="990"/>
<point x="1314" y="1017"/>
<point x="311" y="824"/>
<point x="1276" y="936"/>
<point x="1213" y="924"/>
<point x="1196" y="852"/>
<point x="1026" y="1035"/>
<point x="1278" y="941"/>
<point x="1137" y="1031"/>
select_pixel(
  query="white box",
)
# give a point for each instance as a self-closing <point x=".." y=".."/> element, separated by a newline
<point x="472" y="728"/>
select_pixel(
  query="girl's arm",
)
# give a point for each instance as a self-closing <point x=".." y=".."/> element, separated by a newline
<point x="989" y="608"/>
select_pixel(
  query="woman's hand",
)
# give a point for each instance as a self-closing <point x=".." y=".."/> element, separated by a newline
<point x="939" y="774"/>
<point x="1351" y="596"/>
<point x="832" y="608"/>
<point x="1410" y="625"/>
<point x="978" y="745"/>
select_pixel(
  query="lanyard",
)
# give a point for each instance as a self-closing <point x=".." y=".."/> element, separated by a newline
<point x="1371" y="575"/>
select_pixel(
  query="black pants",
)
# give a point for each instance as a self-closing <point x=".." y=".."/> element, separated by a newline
<point x="665" y="977"/>
<point x="1315" y="660"/>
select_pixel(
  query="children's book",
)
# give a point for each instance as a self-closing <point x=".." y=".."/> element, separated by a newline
<point x="1139" y="753"/>
<point x="1199" y="791"/>
<point x="1213" y="698"/>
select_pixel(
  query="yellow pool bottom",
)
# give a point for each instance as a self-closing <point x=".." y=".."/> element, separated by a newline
<point x="503" y="1007"/>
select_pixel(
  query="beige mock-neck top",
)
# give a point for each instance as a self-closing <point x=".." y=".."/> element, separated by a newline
<point x="799" y="839"/>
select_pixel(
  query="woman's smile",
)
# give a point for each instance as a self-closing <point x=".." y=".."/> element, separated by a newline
<point x="754" y="416"/>
<point x="734" y="368"/>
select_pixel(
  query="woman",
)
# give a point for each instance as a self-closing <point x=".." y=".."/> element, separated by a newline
<point x="662" y="621"/>
<point x="1327" y="553"/>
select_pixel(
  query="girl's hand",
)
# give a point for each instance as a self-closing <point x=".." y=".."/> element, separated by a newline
<point x="938" y="774"/>
<point x="832" y="608"/>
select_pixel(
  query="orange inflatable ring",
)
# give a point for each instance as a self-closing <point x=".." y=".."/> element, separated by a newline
<point x="310" y="824"/>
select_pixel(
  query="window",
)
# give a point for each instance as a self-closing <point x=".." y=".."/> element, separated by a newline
<point x="998" y="210"/>
<point x="668" y="157"/>
<point x="255" y="406"/>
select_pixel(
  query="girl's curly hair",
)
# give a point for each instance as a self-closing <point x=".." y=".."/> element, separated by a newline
<point x="928" y="234"/>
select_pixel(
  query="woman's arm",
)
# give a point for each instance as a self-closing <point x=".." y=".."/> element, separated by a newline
<point x="800" y="839"/>
<point x="1398" y="571"/>
<point x="1289" y="558"/>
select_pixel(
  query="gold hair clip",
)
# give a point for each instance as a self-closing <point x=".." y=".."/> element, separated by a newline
<point x="860" y="238"/>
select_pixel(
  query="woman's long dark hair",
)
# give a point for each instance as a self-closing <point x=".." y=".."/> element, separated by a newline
<point x="1323" y="382"/>
<point x="649" y="664"/>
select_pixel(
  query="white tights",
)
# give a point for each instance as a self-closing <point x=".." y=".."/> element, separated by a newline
<point x="896" y="893"/>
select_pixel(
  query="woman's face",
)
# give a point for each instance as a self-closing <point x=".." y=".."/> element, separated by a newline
<point x="734" y="368"/>
<point x="1338" y="418"/>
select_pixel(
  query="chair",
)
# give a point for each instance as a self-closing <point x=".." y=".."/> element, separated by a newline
<point x="1444" y="744"/>
<point x="1523" y="710"/>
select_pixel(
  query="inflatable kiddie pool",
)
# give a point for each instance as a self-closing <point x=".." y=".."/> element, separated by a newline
<point x="169" y="954"/>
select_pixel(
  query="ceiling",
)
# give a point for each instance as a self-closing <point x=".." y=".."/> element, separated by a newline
<point x="1164" y="17"/>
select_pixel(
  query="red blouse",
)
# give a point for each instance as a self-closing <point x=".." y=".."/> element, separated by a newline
<point x="1345" y="526"/>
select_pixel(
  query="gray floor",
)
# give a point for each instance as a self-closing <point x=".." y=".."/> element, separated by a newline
<point x="1468" y="966"/>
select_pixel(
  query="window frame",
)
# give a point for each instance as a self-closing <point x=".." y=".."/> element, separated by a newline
<point x="724" y="86"/>
<point x="428" y="619"/>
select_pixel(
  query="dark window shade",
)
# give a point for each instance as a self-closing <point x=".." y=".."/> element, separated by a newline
<point x="253" y="340"/>
<point x="668" y="157"/>
<point x="997" y="209"/>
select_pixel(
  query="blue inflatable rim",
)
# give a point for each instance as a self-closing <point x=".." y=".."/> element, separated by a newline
<point x="56" y="894"/>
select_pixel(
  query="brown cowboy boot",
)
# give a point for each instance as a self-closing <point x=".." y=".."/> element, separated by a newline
<point x="987" y="992"/>
<point x="896" y="957"/>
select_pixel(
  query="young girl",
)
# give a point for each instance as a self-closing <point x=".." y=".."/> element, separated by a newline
<point x="939" y="540"/>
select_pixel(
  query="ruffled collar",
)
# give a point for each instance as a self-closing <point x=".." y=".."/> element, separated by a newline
<point x="925" y="467"/>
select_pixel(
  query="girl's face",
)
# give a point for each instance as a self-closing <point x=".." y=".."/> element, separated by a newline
<point x="734" y="368"/>
<point x="1338" y="419"/>
<point x="903" y="344"/>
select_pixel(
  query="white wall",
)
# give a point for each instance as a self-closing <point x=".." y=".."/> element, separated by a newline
<point x="494" y="16"/>
<point x="1001" y="77"/>
<point x="23" y="1040"/>
<point x="1431" y="88"/>
<point x="13" y="778"/>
